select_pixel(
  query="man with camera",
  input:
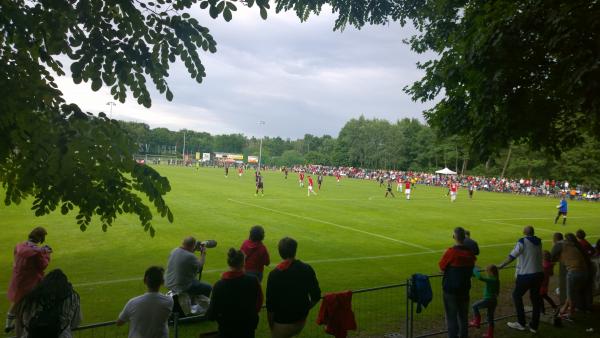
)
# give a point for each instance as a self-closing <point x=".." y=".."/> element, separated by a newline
<point x="184" y="268"/>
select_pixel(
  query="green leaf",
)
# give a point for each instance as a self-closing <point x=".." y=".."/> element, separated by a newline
<point x="169" y="95"/>
<point x="227" y="14"/>
<point x="96" y="84"/>
<point x="263" y="13"/>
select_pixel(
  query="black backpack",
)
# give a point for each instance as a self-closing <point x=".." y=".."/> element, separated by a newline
<point x="45" y="323"/>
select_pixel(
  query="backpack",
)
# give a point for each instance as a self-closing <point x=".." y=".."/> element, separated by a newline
<point x="46" y="323"/>
<point x="420" y="291"/>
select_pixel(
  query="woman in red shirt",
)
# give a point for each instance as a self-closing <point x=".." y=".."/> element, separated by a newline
<point x="257" y="256"/>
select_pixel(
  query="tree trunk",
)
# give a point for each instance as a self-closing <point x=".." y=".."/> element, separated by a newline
<point x="507" y="160"/>
<point x="464" y="166"/>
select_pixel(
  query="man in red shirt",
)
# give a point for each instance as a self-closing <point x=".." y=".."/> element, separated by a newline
<point x="407" y="189"/>
<point x="453" y="190"/>
<point x="310" y="186"/>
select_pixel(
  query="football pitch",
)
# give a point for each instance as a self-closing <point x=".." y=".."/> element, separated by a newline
<point x="352" y="236"/>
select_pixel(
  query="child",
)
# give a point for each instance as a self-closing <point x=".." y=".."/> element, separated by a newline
<point x="548" y="271"/>
<point x="257" y="255"/>
<point x="490" y="298"/>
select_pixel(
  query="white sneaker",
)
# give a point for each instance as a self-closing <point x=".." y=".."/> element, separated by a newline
<point x="532" y="330"/>
<point x="516" y="326"/>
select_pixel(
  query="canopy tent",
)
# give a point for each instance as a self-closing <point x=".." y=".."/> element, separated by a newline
<point x="445" y="171"/>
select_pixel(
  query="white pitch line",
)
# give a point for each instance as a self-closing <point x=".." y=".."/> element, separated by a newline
<point x="521" y="218"/>
<point x="520" y="226"/>
<point x="334" y="224"/>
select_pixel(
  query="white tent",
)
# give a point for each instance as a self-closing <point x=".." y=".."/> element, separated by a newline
<point x="445" y="171"/>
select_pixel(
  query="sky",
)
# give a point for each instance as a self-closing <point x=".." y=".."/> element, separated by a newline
<point x="300" y="78"/>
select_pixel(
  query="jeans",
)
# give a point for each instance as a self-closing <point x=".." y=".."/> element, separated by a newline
<point x="531" y="283"/>
<point x="457" y="313"/>
<point x="490" y="305"/>
<point x="199" y="288"/>
<point x="576" y="288"/>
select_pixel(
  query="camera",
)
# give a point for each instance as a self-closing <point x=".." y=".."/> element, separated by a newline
<point x="201" y="245"/>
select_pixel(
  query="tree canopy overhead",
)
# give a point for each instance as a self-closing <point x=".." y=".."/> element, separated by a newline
<point x="525" y="71"/>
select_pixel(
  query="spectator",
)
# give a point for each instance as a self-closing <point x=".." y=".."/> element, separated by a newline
<point x="548" y="266"/>
<point x="587" y="248"/>
<point x="490" y="298"/>
<point x="149" y="313"/>
<point x="292" y="290"/>
<point x="530" y="274"/>
<point x="50" y="310"/>
<point x="257" y="256"/>
<point x="597" y="248"/>
<point x="457" y="264"/>
<point x="236" y="300"/>
<point x="569" y="253"/>
<point x="184" y="269"/>
<point x="471" y="244"/>
<point x="30" y="261"/>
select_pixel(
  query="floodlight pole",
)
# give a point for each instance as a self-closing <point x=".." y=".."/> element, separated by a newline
<point x="183" y="152"/>
<point x="260" y="147"/>
<point x="111" y="104"/>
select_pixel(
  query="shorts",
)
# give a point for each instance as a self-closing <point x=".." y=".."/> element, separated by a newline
<point x="407" y="191"/>
<point x="564" y="213"/>
<point x="259" y="186"/>
<point x="310" y="187"/>
<point x="389" y="189"/>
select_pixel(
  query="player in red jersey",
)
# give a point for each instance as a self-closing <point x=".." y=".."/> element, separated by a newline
<point x="240" y="171"/>
<point x="338" y="176"/>
<point x="301" y="179"/>
<point x="453" y="191"/>
<point x="407" y="189"/>
<point x="310" y="186"/>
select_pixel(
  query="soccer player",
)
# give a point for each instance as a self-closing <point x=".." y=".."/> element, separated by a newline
<point x="337" y="175"/>
<point x="320" y="180"/>
<point x="453" y="190"/>
<point x="407" y="189"/>
<point x="301" y="179"/>
<point x="240" y="171"/>
<point x="285" y="171"/>
<point x="471" y="189"/>
<point x="389" y="189"/>
<point x="399" y="183"/>
<point x="310" y="186"/>
<point x="259" y="185"/>
<point x="226" y="170"/>
<point x="562" y="210"/>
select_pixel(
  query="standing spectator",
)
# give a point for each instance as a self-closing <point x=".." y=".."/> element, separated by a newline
<point x="257" y="256"/>
<point x="457" y="264"/>
<point x="471" y="244"/>
<point x="569" y="253"/>
<point x="548" y="266"/>
<point x="149" y="312"/>
<point x="597" y="248"/>
<point x="30" y="261"/>
<point x="587" y="248"/>
<point x="184" y="269"/>
<point x="292" y="290"/>
<point x="50" y="310"/>
<point x="530" y="275"/>
<point x="562" y="210"/>
<point x="490" y="298"/>
<point x="236" y="300"/>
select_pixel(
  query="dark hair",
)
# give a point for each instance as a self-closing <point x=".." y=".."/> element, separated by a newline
<point x="569" y="237"/>
<point x="257" y="233"/>
<point x="53" y="289"/>
<point x="287" y="247"/>
<point x="38" y="235"/>
<point x="494" y="270"/>
<point x="235" y="258"/>
<point x="580" y="234"/>
<point x="459" y="234"/>
<point x="529" y="230"/>
<point x="467" y="233"/>
<point x="558" y="236"/>
<point x="153" y="277"/>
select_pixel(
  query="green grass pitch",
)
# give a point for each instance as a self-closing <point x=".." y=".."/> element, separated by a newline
<point x="352" y="236"/>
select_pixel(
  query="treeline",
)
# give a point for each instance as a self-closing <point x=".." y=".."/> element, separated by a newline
<point x="406" y="144"/>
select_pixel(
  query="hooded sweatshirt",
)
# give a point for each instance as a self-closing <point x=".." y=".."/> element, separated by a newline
<point x="257" y="256"/>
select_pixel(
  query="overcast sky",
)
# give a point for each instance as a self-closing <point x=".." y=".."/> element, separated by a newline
<point x="297" y="77"/>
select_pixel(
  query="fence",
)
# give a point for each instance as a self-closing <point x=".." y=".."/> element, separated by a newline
<point x="383" y="311"/>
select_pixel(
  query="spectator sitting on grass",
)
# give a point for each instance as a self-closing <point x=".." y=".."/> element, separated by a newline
<point x="457" y="264"/>
<point x="490" y="298"/>
<point x="148" y="314"/>
<point x="236" y="300"/>
<point x="50" y="310"/>
<point x="257" y="255"/>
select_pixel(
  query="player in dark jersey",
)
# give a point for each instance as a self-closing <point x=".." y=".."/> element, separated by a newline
<point x="226" y="170"/>
<point x="320" y="180"/>
<point x="259" y="185"/>
<point x="389" y="189"/>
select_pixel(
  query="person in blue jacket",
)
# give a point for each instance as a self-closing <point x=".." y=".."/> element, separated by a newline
<point x="562" y="210"/>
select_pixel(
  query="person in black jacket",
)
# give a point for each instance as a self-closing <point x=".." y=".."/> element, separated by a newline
<point x="292" y="290"/>
<point x="236" y="300"/>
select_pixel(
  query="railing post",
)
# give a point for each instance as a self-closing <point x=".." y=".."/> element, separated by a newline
<point x="176" y="324"/>
<point x="407" y="322"/>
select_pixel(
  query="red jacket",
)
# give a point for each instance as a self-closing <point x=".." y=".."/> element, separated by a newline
<point x="336" y="312"/>
<point x="28" y="269"/>
<point x="257" y="256"/>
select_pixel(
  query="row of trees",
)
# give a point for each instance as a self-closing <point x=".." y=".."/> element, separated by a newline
<point x="406" y="144"/>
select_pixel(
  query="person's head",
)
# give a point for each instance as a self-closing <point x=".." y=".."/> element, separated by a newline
<point x="528" y="231"/>
<point x="257" y="233"/>
<point x="557" y="237"/>
<point x="459" y="235"/>
<point x="153" y="278"/>
<point x="547" y="256"/>
<point x="188" y="243"/>
<point x="235" y="259"/>
<point x="492" y="270"/>
<point x="38" y="235"/>
<point x="570" y="237"/>
<point x="598" y="245"/>
<point x="467" y="234"/>
<point x="580" y="234"/>
<point x="287" y="248"/>
<point x="54" y="287"/>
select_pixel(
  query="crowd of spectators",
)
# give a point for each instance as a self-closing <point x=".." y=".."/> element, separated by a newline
<point x="523" y="186"/>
